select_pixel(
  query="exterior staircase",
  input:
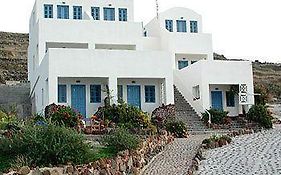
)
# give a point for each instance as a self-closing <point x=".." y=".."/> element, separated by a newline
<point x="186" y="113"/>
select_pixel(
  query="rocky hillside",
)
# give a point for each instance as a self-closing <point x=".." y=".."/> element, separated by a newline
<point x="267" y="76"/>
<point x="13" y="64"/>
<point x="13" y="57"/>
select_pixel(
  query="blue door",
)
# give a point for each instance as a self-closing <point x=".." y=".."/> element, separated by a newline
<point x="78" y="98"/>
<point x="217" y="100"/>
<point x="134" y="96"/>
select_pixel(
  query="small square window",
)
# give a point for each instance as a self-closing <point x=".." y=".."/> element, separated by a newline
<point x="123" y="14"/>
<point x="193" y="27"/>
<point x="77" y="12"/>
<point x="62" y="94"/>
<point x="230" y="99"/>
<point x="48" y="11"/>
<point x="169" y="25"/>
<point x="95" y="93"/>
<point x="96" y="13"/>
<point x="150" y="94"/>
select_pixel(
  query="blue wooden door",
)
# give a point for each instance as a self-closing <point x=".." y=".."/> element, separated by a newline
<point x="133" y="95"/>
<point x="78" y="98"/>
<point x="217" y="100"/>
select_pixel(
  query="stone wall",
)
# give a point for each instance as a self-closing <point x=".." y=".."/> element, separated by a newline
<point x="16" y="97"/>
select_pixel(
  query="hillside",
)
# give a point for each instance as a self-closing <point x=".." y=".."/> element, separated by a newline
<point x="13" y="57"/>
<point x="13" y="64"/>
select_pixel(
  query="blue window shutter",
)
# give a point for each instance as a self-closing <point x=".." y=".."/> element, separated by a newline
<point x="63" y="12"/>
<point x="123" y="14"/>
<point x="149" y="94"/>
<point x="169" y="25"/>
<point x="95" y="93"/>
<point x="77" y="12"/>
<point x="109" y="14"/>
<point x="193" y="26"/>
<point x="62" y="94"/>
<point x="96" y="13"/>
<point x="181" y="26"/>
<point x="48" y="11"/>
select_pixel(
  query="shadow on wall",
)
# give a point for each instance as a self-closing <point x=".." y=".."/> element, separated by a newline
<point x="16" y="98"/>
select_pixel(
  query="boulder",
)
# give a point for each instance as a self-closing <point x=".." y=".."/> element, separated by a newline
<point x="24" y="170"/>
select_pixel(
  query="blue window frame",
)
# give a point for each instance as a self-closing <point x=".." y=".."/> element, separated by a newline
<point x="109" y="14"/>
<point x="63" y="12"/>
<point x="77" y="12"/>
<point x="181" y="26"/>
<point x="120" y="92"/>
<point x="230" y="99"/>
<point x="149" y="94"/>
<point x="95" y="93"/>
<point x="193" y="27"/>
<point x="96" y="13"/>
<point x="62" y="94"/>
<point x="169" y="25"/>
<point x="182" y="64"/>
<point x="48" y="11"/>
<point x="123" y="14"/>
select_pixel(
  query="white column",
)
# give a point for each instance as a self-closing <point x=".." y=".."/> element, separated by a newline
<point x="169" y="91"/>
<point x="53" y="90"/>
<point x="112" y="85"/>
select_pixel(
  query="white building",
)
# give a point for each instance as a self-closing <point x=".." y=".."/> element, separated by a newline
<point x="78" y="48"/>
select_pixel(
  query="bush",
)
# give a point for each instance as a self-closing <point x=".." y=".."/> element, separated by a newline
<point x="216" y="141"/>
<point x="121" y="139"/>
<point x="177" y="128"/>
<point x="45" y="145"/>
<point x="124" y="115"/>
<point x="6" y="119"/>
<point x="260" y="114"/>
<point x="163" y="114"/>
<point x="217" y="116"/>
<point x="63" y="115"/>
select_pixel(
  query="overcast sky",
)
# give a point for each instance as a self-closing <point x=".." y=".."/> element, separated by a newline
<point x="241" y="28"/>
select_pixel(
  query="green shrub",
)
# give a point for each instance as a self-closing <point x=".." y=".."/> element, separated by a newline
<point x="217" y="116"/>
<point x="177" y="128"/>
<point x="45" y="145"/>
<point x="121" y="139"/>
<point x="6" y="119"/>
<point x="260" y="114"/>
<point x="63" y="115"/>
<point x="124" y="115"/>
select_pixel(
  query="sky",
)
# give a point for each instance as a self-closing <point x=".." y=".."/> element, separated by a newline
<point x="249" y="29"/>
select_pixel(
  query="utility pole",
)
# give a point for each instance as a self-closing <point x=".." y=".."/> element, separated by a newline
<point x="157" y="9"/>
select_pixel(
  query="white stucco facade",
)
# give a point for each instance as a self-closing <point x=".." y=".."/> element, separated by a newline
<point x="143" y="60"/>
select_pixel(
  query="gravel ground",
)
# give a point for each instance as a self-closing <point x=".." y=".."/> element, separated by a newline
<point x="176" y="157"/>
<point x="256" y="154"/>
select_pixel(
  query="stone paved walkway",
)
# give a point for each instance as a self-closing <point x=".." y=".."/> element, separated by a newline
<point x="256" y="154"/>
<point x="176" y="157"/>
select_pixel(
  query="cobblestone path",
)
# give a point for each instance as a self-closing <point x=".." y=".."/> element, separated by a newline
<point x="256" y="154"/>
<point x="175" y="158"/>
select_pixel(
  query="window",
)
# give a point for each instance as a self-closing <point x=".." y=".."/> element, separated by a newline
<point x="63" y="12"/>
<point x="77" y="12"/>
<point x="230" y="100"/>
<point x="182" y="64"/>
<point x="181" y="26"/>
<point x="48" y="11"/>
<point x="95" y="93"/>
<point x="169" y="25"/>
<point x="196" y="92"/>
<point x="96" y="13"/>
<point x="62" y="94"/>
<point x="109" y="14"/>
<point x="150" y="94"/>
<point x="123" y="14"/>
<point x="120" y="92"/>
<point x="193" y="27"/>
<point x="192" y="62"/>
